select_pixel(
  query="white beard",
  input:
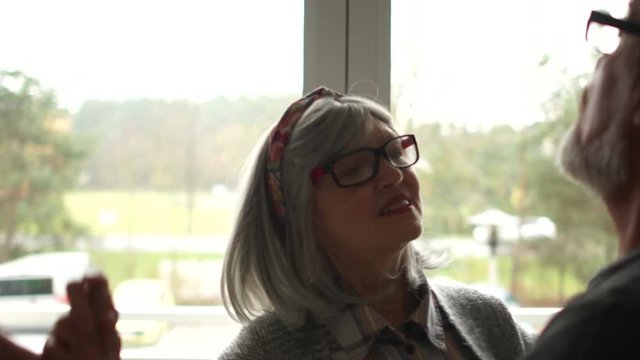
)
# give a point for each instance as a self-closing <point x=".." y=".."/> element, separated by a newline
<point x="603" y="164"/>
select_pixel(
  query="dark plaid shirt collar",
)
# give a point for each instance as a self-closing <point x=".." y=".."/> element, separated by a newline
<point x="359" y="327"/>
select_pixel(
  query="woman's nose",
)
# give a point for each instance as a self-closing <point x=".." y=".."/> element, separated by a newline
<point x="388" y="175"/>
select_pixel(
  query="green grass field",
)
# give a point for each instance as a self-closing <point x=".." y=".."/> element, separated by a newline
<point x="162" y="213"/>
<point x="121" y="265"/>
<point x="148" y="213"/>
<point x="538" y="285"/>
<point x="158" y="213"/>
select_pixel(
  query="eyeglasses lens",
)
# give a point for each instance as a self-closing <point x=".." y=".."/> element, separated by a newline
<point x="361" y="166"/>
<point x="402" y="152"/>
<point x="604" y="38"/>
<point x="355" y="168"/>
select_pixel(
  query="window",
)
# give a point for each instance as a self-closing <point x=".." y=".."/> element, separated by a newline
<point x="167" y="98"/>
<point x="489" y="88"/>
<point x="164" y="99"/>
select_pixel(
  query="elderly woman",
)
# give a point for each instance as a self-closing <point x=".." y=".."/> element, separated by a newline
<point x="321" y="265"/>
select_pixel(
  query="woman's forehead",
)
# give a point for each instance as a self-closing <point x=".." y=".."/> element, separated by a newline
<point x="372" y="134"/>
<point x="375" y="134"/>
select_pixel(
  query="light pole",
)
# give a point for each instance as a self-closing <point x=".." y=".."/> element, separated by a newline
<point x="493" y="241"/>
<point x="487" y="228"/>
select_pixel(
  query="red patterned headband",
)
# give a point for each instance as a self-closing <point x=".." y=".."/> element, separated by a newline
<point x="278" y="141"/>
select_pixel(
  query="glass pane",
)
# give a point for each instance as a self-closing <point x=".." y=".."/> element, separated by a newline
<point x="157" y="105"/>
<point x="489" y="89"/>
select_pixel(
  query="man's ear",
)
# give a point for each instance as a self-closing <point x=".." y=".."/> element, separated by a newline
<point x="635" y="116"/>
<point x="635" y="122"/>
<point x="634" y="137"/>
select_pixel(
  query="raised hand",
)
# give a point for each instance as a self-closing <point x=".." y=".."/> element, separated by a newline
<point x="88" y="331"/>
<point x="12" y="351"/>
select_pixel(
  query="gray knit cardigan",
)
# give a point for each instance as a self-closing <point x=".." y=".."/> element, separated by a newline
<point x="482" y="321"/>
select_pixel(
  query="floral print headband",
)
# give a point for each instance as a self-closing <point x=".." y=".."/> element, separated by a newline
<point x="278" y="140"/>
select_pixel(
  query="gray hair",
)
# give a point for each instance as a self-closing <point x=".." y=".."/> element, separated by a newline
<point x="602" y="165"/>
<point x="293" y="277"/>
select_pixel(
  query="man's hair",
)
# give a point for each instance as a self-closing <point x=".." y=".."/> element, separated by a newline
<point x="290" y="274"/>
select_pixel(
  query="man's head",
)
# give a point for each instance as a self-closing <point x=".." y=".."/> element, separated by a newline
<point x="600" y="150"/>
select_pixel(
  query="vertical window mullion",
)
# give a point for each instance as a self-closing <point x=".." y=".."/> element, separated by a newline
<point x="347" y="46"/>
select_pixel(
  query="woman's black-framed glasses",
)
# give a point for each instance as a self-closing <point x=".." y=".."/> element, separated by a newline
<point x="603" y="31"/>
<point x="359" y="166"/>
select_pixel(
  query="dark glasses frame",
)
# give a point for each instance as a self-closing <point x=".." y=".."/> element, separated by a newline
<point x="601" y="17"/>
<point x="379" y="152"/>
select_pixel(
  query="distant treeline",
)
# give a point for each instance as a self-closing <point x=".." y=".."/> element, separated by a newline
<point x="157" y="145"/>
<point x="162" y="145"/>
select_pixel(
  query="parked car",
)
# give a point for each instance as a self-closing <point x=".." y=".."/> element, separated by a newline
<point x="142" y="295"/>
<point x="33" y="289"/>
<point x="41" y="278"/>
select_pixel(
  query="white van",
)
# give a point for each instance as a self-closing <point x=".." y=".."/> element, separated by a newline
<point x="43" y="277"/>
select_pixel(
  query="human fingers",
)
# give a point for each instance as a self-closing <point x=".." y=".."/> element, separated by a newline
<point x="81" y="314"/>
<point x="100" y="298"/>
<point x="106" y="315"/>
<point x="52" y="351"/>
<point x="62" y="341"/>
<point x="111" y="342"/>
<point x="10" y="350"/>
<point x="68" y="342"/>
<point x="63" y="335"/>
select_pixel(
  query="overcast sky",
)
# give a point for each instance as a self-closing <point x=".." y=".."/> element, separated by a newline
<point x="174" y="49"/>
<point x="478" y="62"/>
<point x="459" y="61"/>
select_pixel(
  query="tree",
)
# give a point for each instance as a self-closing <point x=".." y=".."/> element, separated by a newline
<point x="515" y="171"/>
<point x="155" y="144"/>
<point x="39" y="160"/>
<point x="470" y="171"/>
<point x="586" y="237"/>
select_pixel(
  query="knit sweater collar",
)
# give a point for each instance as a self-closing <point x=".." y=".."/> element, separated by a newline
<point x="358" y="326"/>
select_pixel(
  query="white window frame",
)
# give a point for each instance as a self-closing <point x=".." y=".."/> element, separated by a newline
<point x="347" y="46"/>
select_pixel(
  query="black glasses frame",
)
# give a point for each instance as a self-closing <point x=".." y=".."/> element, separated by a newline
<point x="378" y="152"/>
<point x="601" y="17"/>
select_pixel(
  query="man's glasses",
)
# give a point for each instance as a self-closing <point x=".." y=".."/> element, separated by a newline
<point x="603" y="31"/>
<point x="359" y="166"/>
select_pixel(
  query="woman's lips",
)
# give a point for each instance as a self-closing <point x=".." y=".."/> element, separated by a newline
<point x="396" y="205"/>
